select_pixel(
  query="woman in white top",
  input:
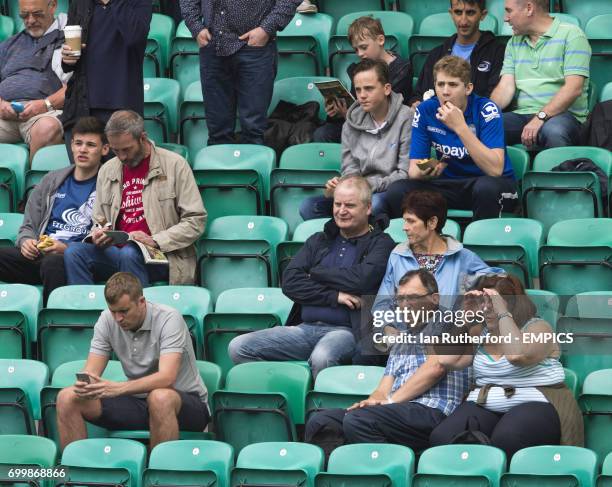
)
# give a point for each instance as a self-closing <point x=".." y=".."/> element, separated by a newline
<point x="517" y="378"/>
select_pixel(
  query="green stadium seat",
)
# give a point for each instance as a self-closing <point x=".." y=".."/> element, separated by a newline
<point x="193" y="131"/>
<point x="157" y="53"/>
<point x="551" y="466"/>
<point x="420" y="10"/>
<point x="107" y="461"/>
<point x="596" y="404"/>
<point x="277" y="463"/>
<point x="65" y="326"/>
<point x="465" y="465"/>
<point x="342" y="386"/>
<point x="299" y="90"/>
<point x="597" y="30"/>
<point x="162" y="97"/>
<point x="339" y="8"/>
<point x="547" y="304"/>
<point x="606" y="92"/>
<point x="262" y="401"/>
<point x="240" y="249"/>
<point x="19" y="305"/>
<point x="179" y="149"/>
<point x="46" y="159"/>
<point x="184" y="58"/>
<point x="552" y="196"/>
<point x="240" y="311"/>
<point x="189" y="463"/>
<point x="605" y="479"/>
<point x="13" y="166"/>
<point x="191" y="301"/>
<point x="9" y="228"/>
<point x="303" y="171"/>
<point x="286" y="250"/>
<point x="586" y="10"/>
<point x="577" y="257"/>
<point x="25" y="451"/>
<point x="303" y="46"/>
<point x="587" y="317"/>
<point x="21" y="381"/>
<point x="368" y="465"/>
<point x="234" y="179"/>
<point x="510" y="243"/>
<point x="396" y="229"/>
<point x="7" y="27"/>
<point x="571" y="381"/>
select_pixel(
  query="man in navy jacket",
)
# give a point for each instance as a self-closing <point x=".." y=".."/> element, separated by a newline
<point x="328" y="280"/>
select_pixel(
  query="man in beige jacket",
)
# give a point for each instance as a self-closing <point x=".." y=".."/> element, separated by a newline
<point x="151" y="194"/>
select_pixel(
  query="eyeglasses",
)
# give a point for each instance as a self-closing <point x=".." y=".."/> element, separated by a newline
<point x="39" y="14"/>
<point x="408" y="298"/>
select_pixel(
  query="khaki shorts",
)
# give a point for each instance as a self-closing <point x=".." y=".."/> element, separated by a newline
<point x="12" y="131"/>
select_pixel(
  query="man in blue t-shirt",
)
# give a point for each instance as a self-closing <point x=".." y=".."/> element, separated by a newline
<point x="472" y="168"/>
<point x="59" y="208"/>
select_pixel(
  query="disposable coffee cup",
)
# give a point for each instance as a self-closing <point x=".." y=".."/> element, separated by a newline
<point x="72" y="34"/>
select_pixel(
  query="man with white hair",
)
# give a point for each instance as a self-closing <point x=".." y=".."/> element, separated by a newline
<point x="546" y="71"/>
<point x="32" y="83"/>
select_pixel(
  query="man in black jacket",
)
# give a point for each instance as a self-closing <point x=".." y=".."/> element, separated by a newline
<point x="479" y="48"/>
<point x="327" y="280"/>
<point x="108" y="72"/>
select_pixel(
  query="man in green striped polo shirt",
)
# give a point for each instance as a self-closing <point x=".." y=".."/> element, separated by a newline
<point x="544" y="76"/>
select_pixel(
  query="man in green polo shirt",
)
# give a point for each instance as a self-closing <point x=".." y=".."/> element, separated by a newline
<point x="545" y="74"/>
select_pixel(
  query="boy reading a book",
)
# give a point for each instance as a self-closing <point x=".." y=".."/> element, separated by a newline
<point x="367" y="37"/>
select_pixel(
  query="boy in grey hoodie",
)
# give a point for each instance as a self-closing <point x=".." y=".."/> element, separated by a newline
<point x="375" y="139"/>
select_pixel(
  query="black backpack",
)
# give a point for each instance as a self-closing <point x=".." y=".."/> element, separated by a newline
<point x="597" y="129"/>
<point x="587" y="165"/>
<point x="472" y="434"/>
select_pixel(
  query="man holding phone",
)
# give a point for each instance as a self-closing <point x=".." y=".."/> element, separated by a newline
<point x="164" y="392"/>
<point x="32" y="83"/>
<point x="472" y="168"/>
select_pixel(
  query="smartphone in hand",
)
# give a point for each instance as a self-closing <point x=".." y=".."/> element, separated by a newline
<point x="17" y="106"/>
<point x="83" y="377"/>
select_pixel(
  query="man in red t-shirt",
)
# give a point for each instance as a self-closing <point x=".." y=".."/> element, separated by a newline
<point x="149" y="193"/>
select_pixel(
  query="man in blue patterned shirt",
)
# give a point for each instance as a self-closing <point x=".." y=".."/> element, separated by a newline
<point x="238" y="59"/>
<point x="414" y="395"/>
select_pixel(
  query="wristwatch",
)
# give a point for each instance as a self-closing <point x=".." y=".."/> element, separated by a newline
<point x="49" y="105"/>
<point x="542" y="115"/>
<point x="505" y="314"/>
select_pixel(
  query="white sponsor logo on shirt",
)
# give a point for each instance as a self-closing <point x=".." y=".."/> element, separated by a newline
<point x="458" y="152"/>
<point x="489" y="111"/>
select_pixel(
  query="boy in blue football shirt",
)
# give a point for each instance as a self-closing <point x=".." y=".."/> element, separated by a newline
<point x="472" y="168"/>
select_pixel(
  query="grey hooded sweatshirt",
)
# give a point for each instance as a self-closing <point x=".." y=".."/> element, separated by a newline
<point x="378" y="154"/>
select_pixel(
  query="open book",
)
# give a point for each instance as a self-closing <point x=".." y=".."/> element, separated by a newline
<point x="151" y="254"/>
<point x="335" y="89"/>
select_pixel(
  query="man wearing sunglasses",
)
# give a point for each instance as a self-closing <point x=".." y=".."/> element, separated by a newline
<point x="415" y="393"/>
<point x="32" y="83"/>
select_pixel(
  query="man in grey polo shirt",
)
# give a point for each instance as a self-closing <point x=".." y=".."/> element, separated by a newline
<point x="164" y="392"/>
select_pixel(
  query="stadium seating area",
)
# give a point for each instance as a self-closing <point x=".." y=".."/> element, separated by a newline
<point x="560" y="246"/>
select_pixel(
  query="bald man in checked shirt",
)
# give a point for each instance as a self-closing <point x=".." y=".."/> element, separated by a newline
<point x="238" y="60"/>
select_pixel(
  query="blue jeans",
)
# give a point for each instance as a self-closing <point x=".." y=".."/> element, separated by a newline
<point x="85" y="264"/>
<point x="322" y="345"/>
<point x="329" y="132"/>
<point x="322" y="207"/>
<point x="559" y="131"/>
<point x="243" y="83"/>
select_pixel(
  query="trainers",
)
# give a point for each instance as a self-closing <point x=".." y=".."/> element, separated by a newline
<point x="306" y="7"/>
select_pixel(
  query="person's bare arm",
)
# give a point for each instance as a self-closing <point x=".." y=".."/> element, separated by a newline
<point x="504" y="91"/>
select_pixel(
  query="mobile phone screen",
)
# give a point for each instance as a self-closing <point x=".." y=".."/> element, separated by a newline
<point x="83" y="377"/>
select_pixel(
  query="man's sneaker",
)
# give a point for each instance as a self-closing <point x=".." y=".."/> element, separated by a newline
<point x="306" y="7"/>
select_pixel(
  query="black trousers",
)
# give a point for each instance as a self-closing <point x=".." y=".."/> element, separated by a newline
<point x="528" y="424"/>
<point x="486" y="196"/>
<point x="406" y="423"/>
<point x="47" y="270"/>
